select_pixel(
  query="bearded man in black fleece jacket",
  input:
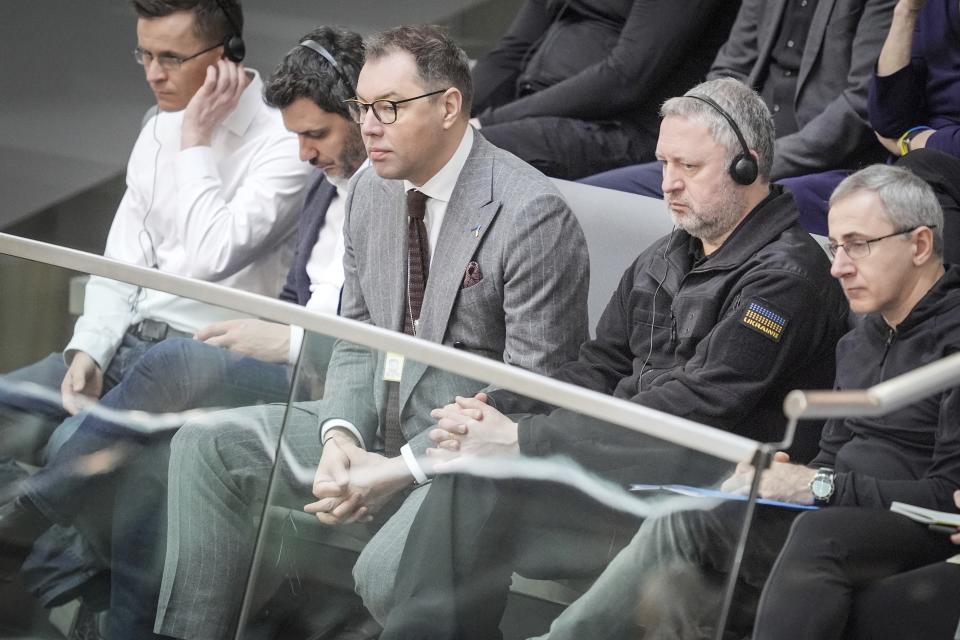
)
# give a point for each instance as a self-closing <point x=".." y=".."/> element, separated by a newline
<point x="680" y="335"/>
<point x="885" y="234"/>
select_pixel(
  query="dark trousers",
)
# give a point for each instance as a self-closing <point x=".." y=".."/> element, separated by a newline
<point x="643" y="179"/>
<point x="472" y="533"/>
<point x="940" y="170"/>
<point x="861" y="573"/>
<point x="109" y="478"/>
<point x="569" y="148"/>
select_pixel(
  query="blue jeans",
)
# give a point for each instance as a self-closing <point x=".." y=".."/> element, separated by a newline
<point x="109" y="479"/>
<point x="26" y="423"/>
<point x="175" y="375"/>
<point x="642" y="179"/>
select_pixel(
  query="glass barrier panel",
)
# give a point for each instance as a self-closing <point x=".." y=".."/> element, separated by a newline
<point x="501" y="514"/>
<point x="84" y="463"/>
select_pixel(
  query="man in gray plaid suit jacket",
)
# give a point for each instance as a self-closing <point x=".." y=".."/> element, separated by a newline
<point x="507" y="279"/>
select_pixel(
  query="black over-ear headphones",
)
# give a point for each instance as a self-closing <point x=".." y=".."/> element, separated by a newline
<point x="321" y="51"/>
<point x="743" y="169"/>
<point x="234" y="48"/>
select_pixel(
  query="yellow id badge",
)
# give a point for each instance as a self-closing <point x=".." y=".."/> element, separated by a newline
<point x="393" y="367"/>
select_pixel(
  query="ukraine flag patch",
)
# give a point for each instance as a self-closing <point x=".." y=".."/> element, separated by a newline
<point x="761" y="318"/>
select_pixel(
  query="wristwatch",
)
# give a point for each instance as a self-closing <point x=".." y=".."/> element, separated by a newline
<point x="822" y="486"/>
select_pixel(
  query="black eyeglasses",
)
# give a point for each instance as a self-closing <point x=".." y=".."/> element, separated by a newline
<point x="857" y="249"/>
<point x="383" y="110"/>
<point x="167" y="63"/>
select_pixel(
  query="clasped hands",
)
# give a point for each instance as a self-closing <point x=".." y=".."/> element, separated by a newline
<point x="470" y="428"/>
<point x="783" y="481"/>
<point x="352" y="484"/>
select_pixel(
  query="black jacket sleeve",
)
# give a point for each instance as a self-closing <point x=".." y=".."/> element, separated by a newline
<point x="896" y="102"/>
<point x="933" y="491"/>
<point x="495" y="75"/>
<point x="733" y="366"/>
<point x="651" y="45"/>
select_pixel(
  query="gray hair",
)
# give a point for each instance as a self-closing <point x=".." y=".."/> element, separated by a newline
<point x="440" y="62"/>
<point x="907" y="201"/>
<point x="743" y="105"/>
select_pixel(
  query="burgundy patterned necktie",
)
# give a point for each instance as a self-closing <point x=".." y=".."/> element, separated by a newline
<point x="418" y="258"/>
<point x="418" y="268"/>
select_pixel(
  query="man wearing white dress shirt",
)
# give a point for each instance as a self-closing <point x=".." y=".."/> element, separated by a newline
<point x="213" y="192"/>
<point x="231" y="362"/>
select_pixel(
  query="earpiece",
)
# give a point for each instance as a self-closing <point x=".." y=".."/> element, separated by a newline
<point x="234" y="48"/>
<point x="653" y="306"/>
<point x="743" y="169"/>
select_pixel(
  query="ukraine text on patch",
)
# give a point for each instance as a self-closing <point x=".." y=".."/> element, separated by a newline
<point x="763" y="319"/>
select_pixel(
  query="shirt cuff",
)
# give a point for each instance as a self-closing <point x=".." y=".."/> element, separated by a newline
<point x="415" y="469"/>
<point x="100" y="347"/>
<point x="296" y="341"/>
<point x="195" y="163"/>
<point x="340" y="424"/>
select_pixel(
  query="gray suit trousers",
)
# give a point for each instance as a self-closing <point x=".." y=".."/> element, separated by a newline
<point x="218" y="478"/>
<point x="219" y="475"/>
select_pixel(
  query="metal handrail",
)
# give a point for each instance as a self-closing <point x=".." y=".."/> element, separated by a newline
<point x="879" y="399"/>
<point x="680" y="431"/>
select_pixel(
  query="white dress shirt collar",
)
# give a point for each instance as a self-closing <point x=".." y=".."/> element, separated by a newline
<point x="247" y="108"/>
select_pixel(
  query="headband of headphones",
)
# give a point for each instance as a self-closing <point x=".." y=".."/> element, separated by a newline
<point x="320" y="50"/>
<point x="743" y="169"/>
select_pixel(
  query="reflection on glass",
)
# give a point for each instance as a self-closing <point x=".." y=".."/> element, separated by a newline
<point x="84" y="467"/>
<point x="201" y="483"/>
<point x="351" y="540"/>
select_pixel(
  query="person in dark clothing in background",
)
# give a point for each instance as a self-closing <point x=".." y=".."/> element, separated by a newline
<point x="811" y="61"/>
<point x="885" y="237"/>
<point x="574" y="86"/>
<point x="914" y="102"/>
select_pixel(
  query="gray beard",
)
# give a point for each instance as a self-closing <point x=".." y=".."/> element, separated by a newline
<point x="721" y="219"/>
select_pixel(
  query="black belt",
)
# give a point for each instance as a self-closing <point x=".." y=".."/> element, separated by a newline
<point x="155" y="331"/>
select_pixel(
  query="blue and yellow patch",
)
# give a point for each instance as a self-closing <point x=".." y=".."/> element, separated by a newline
<point x="761" y="318"/>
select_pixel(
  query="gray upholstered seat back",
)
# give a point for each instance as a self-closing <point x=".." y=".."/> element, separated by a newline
<point x="617" y="226"/>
